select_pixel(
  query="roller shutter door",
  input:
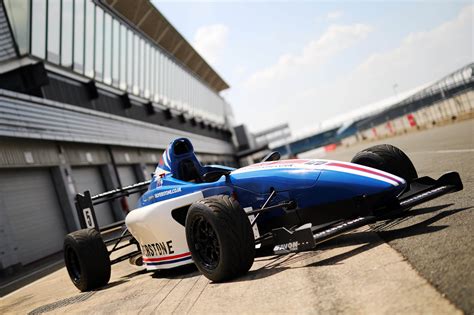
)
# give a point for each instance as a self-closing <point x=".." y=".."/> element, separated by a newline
<point x="127" y="178"/>
<point x="30" y="202"/>
<point x="90" y="178"/>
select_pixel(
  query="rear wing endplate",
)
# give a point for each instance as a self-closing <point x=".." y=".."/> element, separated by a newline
<point x="85" y="205"/>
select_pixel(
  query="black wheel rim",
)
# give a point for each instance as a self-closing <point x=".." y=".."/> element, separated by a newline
<point x="72" y="264"/>
<point x="206" y="244"/>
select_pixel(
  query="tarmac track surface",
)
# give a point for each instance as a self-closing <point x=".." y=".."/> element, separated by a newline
<point x="426" y="266"/>
<point x="437" y="238"/>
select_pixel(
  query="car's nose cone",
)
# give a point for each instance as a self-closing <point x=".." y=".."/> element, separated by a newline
<point x="341" y="180"/>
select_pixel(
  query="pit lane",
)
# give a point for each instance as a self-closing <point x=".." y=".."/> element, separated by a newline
<point x="420" y="264"/>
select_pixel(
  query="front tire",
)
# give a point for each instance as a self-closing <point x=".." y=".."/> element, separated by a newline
<point x="87" y="259"/>
<point x="388" y="158"/>
<point x="220" y="238"/>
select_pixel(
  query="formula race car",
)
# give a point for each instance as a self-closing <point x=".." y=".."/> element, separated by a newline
<point x="220" y="218"/>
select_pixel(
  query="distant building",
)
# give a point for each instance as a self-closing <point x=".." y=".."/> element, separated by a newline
<point x="91" y="92"/>
<point x="252" y="147"/>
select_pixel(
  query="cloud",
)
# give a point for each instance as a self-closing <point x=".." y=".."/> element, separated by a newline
<point x="210" y="41"/>
<point x="334" y="15"/>
<point x="306" y="89"/>
<point x="421" y="57"/>
<point x="315" y="53"/>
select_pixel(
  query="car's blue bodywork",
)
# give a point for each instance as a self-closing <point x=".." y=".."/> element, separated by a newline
<point x="309" y="183"/>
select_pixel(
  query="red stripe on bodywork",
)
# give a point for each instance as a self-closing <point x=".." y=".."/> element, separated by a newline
<point x="166" y="258"/>
<point x="353" y="167"/>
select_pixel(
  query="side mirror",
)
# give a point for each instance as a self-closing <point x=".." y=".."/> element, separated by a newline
<point x="272" y="156"/>
<point x="212" y="176"/>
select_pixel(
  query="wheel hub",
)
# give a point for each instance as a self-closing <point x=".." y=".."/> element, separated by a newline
<point x="206" y="243"/>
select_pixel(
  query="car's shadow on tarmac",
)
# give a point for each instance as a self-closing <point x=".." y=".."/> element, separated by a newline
<point x="387" y="231"/>
<point x="367" y="240"/>
<point x="183" y="272"/>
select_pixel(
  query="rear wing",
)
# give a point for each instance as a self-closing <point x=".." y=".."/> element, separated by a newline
<point x="85" y="205"/>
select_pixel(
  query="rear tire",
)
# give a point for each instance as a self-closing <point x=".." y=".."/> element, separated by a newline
<point x="87" y="259"/>
<point x="220" y="238"/>
<point x="388" y="158"/>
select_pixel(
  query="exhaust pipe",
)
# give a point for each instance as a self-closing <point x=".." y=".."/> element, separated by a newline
<point x="136" y="260"/>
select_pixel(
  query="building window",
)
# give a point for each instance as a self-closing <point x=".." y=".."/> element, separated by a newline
<point x="89" y="39"/>
<point x="54" y="27"/>
<point x="79" y="35"/>
<point x="146" y="72"/>
<point x="123" y="57"/>
<point x="130" y="59"/>
<point x="166" y="79"/>
<point x="116" y="52"/>
<point x="38" y="27"/>
<point x="159" y="74"/>
<point x="99" y="43"/>
<point x="136" y="63"/>
<point x="152" y="73"/>
<point x="107" y="49"/>
<point x="66" y="32"/>
<point x="18" y="11"/>
<point x="156" y="84"/>
<point x="141" y="71"/>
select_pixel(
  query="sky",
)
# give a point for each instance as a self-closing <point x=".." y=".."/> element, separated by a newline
<point x="311" y="63"/>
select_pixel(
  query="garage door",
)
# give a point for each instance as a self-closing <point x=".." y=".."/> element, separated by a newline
<point x="90" y="178"/>
<point x="29" y="200"/>
<point x="127" y="177"/>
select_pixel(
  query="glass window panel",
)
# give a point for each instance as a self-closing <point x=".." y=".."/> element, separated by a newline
<point x="151" y="65"/>
<point x="175" y="77"/>
<point x="159" y="69"/>
<point x="54" y="19"/>
<point x="66" y="33"/>
<point x="99" y="43"/>
<point x="116" y="53"/>
<point x="173" y="81"/>
<point x="147" y="70"/>
<point x="107" y="49"/>
<point x="179" y="86"/>
<point x="130" y="42"/>
<point x="38" y="29"/>
<point x="18" y="11"/>
<point x="151" y="62"/>
<point x="166" y="79"/>
<point x="152" y="72"/>
<point x="89" y="39"/>
<point x="136" y="63"/>
<point x="163" y="78"/>
<point x="79" y="35"/>
<point x="185" y="88"/>
<point x="155" y="74"/>
<point x="123" y="57"/>
<point x="141" y="71"/>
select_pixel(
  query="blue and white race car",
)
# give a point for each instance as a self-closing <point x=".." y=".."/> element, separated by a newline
<point x="220" y="218"/>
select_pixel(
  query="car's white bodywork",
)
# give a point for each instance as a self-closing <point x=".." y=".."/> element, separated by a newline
<point x="162" y="239"/>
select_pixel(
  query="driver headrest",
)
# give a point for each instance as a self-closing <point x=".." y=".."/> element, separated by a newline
<point x="178" y="150"/>
<point x="181" y="146"/>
